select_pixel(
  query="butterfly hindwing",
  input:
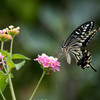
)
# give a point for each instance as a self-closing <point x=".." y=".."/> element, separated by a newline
<point x="83" y="58"/>
<point x="85" y="61"/>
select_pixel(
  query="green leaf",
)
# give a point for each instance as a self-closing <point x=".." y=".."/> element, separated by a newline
<point x="19" y="65"/>
<point x="3" y="81"/>
<point x="20" y="56"/>
<point x="10" y="63"/>
<point x="4" y="53"/>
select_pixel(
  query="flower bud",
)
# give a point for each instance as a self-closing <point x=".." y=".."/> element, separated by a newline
<point x="12" y="31"/>
<point x="4" y="36"/>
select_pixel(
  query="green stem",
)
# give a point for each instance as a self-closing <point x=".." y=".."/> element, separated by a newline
<point x="11" y="46"/>
<point x="11" y="87"/>
<point x="9" y="75"/>
<point x="2" y="95"/>
<point x="2" y="44"/>
<point x="38" y="84"/>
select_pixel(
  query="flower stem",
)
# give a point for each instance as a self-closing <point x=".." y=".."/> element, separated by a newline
<point x="11" y="87"/>
<point x="38" y="84"/>
<point x="2" y="95"/>
<point x="9" y="75"/>
<point x="2" y="44"/>
<point x="11" y="46"/>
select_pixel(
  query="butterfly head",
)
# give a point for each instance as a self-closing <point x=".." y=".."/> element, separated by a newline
<point x="63" y="47"/>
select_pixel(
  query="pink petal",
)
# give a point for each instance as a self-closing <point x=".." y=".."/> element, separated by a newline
<point x="57" y="68"/>
<point x="52" y="65"/>
<point x="46" y="65"/>
<point x="47" y="60"/>
<point x="3" y="61"/>
<point x="57" y="63"/>
<point x="36" y="59"/>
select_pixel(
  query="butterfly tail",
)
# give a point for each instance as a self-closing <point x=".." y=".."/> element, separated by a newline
<point x="93" y="68"/>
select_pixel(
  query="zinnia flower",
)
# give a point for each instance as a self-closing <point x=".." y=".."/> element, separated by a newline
<point x="48" y="63"/>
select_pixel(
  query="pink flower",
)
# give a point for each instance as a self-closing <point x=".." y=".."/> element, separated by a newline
<point x="47" y="62"/>
<point x="2" y="63"/>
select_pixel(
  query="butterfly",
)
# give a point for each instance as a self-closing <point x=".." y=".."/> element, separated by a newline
<point x="76" y="42"/>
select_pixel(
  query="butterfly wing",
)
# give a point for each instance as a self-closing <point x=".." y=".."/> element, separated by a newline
<point x="84" y="40"/>
<point x="83" y="58"/>
<point x="89" y="37"/>
<point x="80" y="32"/>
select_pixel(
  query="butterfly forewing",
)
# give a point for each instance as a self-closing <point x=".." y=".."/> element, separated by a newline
<point x="80" y="32"/>
<point x="85" y="39"/>
<point x="89" y="37"/>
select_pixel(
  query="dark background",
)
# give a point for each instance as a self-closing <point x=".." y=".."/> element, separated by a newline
<point x="44" y="25"/>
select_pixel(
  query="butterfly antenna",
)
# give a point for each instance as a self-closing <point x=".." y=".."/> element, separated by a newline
<point x="61" y="58"/>
<point x="59" y="55"/>
<point x="93" y="68"/>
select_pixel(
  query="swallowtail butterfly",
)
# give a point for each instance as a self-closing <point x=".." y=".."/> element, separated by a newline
<point x="76" y="42"/>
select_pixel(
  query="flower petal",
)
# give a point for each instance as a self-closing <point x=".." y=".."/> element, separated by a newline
<point x="46" y="65"/>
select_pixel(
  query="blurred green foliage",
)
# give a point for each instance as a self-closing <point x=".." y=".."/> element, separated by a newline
<point x="44" y="25"/>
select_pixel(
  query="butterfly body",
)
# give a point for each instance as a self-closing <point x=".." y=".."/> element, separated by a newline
<point x="76" y="42"/>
